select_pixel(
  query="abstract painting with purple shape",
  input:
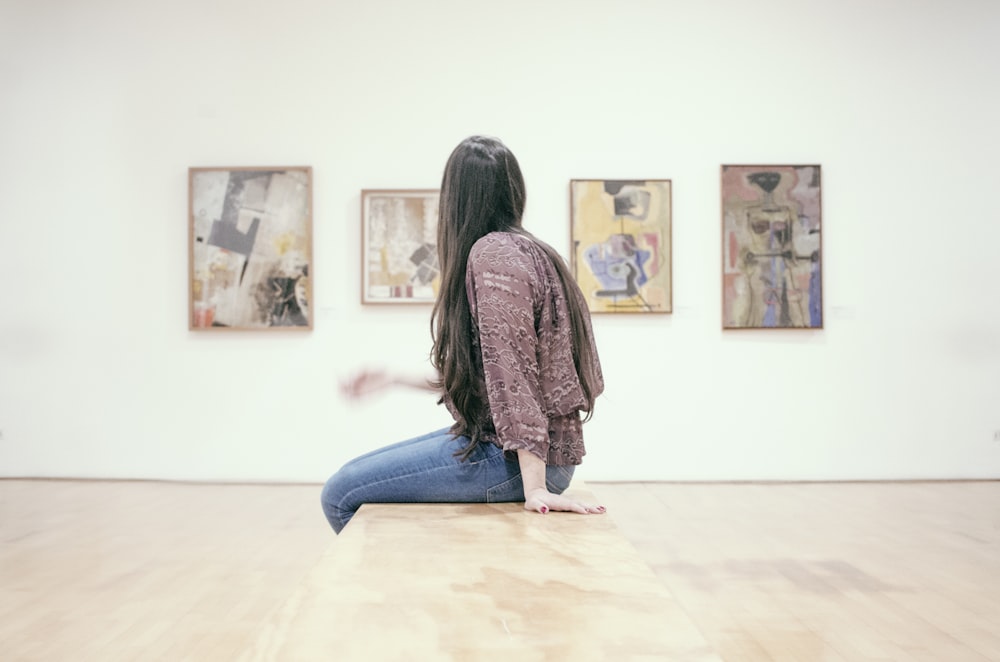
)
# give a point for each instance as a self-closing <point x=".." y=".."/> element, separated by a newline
<point x="619" y="266"/>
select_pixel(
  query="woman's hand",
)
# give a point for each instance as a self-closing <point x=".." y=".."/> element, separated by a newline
<point x="537" y="498"/>
<point x="542" y="501"/>
<point x="370" y="381"/>
<point x="366" y="383"/>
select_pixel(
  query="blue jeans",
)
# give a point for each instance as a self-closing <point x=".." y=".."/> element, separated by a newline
<point x="425" y="470"/>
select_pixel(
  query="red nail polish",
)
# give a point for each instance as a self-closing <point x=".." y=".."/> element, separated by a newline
<point x="544" y="509"/>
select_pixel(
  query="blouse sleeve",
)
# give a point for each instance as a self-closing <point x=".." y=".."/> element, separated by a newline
<point x="503" y="287"/>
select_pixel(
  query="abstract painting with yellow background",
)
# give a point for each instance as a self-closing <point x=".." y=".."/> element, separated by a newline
<point x="621" y="244"/>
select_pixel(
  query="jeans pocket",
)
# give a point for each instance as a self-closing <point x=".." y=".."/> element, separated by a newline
<point x="557" y="478"/>
<point x="509" y="490"/>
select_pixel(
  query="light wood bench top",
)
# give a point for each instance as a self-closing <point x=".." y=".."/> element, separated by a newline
<point x="479" y="582"/>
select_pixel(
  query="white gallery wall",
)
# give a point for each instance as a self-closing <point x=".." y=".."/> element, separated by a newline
<point x="105" y="105"/>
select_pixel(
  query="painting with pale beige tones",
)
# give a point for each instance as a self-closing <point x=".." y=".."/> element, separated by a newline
<point x="250" y="248"/>
<point x="771" y="247"/>
<point x="399" y="246"/>
<point x="621" y="244"/>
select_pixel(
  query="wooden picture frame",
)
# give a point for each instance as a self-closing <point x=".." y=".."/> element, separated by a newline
<point x="621" y="244"/>
<point x="250" y="248"/>
<point x="399" y="261"/>
<point x="772" y="266"/>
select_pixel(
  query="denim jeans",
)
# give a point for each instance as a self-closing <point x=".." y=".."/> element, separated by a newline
<point x="425" y="470"/>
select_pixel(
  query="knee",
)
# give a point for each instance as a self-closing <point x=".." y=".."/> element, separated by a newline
<point x="332" y="500"/>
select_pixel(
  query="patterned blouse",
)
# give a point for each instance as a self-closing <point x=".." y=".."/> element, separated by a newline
<point x="522" y="327"/>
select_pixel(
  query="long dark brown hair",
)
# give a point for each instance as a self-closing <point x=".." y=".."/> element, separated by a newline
<point x="483" y="191"/>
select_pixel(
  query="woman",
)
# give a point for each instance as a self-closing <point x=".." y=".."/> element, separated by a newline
<point x="515" y="357"/>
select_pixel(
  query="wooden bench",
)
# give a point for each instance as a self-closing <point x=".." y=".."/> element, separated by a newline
<point x="420" y="582"/>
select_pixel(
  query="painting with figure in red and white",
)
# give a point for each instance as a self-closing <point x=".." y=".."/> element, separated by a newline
<point x="772" y="274"/>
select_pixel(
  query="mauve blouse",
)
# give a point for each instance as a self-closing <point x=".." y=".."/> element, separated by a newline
<point x="522" y="329"/>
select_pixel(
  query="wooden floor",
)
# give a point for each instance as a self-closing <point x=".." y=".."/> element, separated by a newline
<point x="848" y="571"/>
<point x="841" y="571"/>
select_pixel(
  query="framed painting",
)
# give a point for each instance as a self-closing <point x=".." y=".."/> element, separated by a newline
<point x="399" y="246"/>
<point x="620" y="234"/>
<point x="772" y="271"/>
<point x="250" y="248"/>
